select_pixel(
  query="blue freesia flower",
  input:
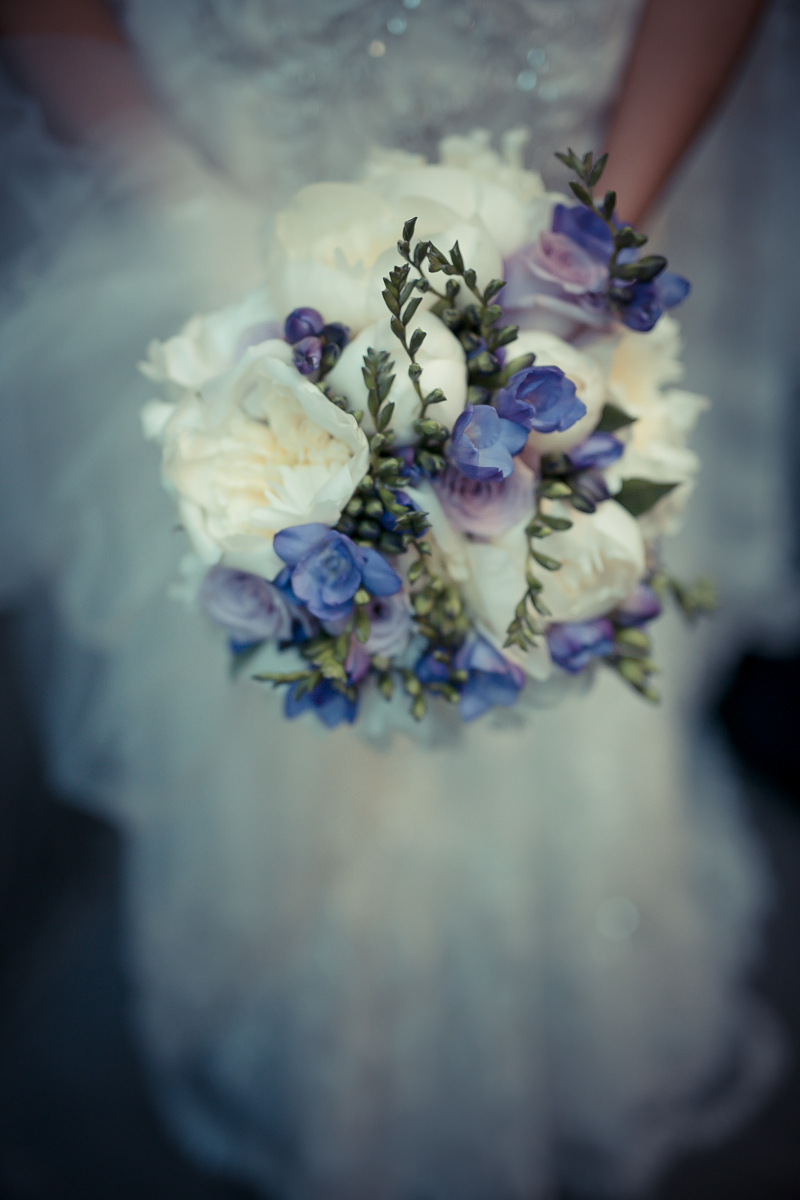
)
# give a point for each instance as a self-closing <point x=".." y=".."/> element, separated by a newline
<point x="336" y="334"/>
<point x="302" y="323"/>
<point x="573" y="646"/>
<point x="597" y="451"/>
<point x="483" y="443"/>
<point x="541" y="398"/>
<point x="584" y="227"/>
<point x="328" y="569"/>
<point x="492" y="679"/>
<point x="641" y="606"/>
<point x="647" y="301"/>
<point x="330" y="705"/>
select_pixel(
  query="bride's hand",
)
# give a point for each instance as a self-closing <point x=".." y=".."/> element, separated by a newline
<point x="683" y="56"/>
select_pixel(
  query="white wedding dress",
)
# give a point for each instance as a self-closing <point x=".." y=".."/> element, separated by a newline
<point x="503" y="963"/>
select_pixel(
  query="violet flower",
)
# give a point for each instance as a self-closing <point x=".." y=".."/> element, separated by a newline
<point x="585" y="229"/>
<point x="328" y="569"/>
<point x="302" y="323"/>
<point x="492" y="678"/>
<point x="641" y="304"/>
<point x="308" y="355"/>
<point x="598" y="451"/>
<point x="336" y="334"/>
<point x="250" y="608"/>
<point x="330" y="705"/>
<point x="641" y="606"/>
<point x="483" y="443"/>
<point x="573" y="646"/>
<point x="486" y="507"/>
<point x="541" y="398"/>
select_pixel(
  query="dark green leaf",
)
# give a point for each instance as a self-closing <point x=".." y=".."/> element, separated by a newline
<point x="391" y="302"/>
<point x="549" y="564"/>
<point x="492" y="289"/>
<point x="386" y="416"/>
<point x="581" y="193"/>
<point x="609" y="203"/>
<point x="613" y="418"/>
<point x="639" y="495"/>
<point x="597" y="170"/>
<point x="456" y="258"/>
<point x="417" y="338"/>
<point x="411" y="309"/>
<point x="408" y="229"/>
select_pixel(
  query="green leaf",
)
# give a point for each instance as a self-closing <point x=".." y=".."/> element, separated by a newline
<point x="639" y="495"/>
<point x="581" y="193"/>
<point x="417" y="338"/>
<point x="613" y="418"/>
<point x="456" y="258"/>
<point x="391" y="302"/>
<point x="609" y="204"/>
<point x="492" y="289"/>
<point x="597" y="170"/>
<point x="412" y="308"/>
<point x="408" y="229"/>
<point x="549" y="564"/>
<point x="643" y="270"/>
<point x="398" y="329"/>
<point x="558" y="524"/>
<point x="386" y="416"/>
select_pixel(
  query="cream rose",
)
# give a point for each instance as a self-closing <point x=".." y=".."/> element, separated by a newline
<point x="253" y="451"/>
<point x="602" y="559"/>
<point x="577" y="365"/>
<point x="643" y="364"/>
<point x="443" y="363"/>
<point x="209" y="344"/>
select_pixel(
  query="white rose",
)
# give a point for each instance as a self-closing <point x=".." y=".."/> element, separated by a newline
<point x="474" y="153"/>
<point x="207" y="345"/>
<point x="471" y="197"/>
<point x="333" y="244"/>
<point x="443" y="363"/>
<point x="253" y="451"/>
<point x="656" y="443"/>
<point x="578" y="366"/>
<point x="602" y="559"/>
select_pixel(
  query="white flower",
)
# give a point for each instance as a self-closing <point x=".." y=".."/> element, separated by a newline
<point x="207" y="345"/>
<point x="656" y="443"/>
<point x="253" y="451"/>
<point x="443" y="363"/>
<point x="474" y="153"/>
<point x="577" y="365"/>
<point x="602" y="559"/>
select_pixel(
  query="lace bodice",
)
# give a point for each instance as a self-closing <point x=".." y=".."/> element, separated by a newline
<point x="280" y="93"/>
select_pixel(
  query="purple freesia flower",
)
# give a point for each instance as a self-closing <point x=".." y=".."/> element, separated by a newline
<point x="328" y="569"/>
<point x="645" y="302"/>
<point x="486" y="507"/>
<point x="589" y="490"/>
<point x="483" y="443"/>
<point x="336" y="334"/>
<point x="541" y="398"/>
<point x="330" y="705"/>
<point x="641" y="606"/>
<point x="585" y="229"/>
<point x="302" y="323"/>
<point x="597" y="451"/>
<point x="492" y="678"/>
<point x="250" y="608"/>
<point x="308" y="355"/>
<point x="573" y="646"/>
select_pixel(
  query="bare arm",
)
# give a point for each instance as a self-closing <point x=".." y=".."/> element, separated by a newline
<point x="72" y="57"/>
<point x="683" y="56"/>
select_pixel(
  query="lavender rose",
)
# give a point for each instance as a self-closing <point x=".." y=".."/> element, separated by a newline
<point x="483" y="443"/>
<point x="556" y="258"/>
<point x="250" y="608"/>
<point x="573" y="646"/>
<point x="328" y="569"/>
<point x="486" y="507"/>
<point x="541" y="398"/>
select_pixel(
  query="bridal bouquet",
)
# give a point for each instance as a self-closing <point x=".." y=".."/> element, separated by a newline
<point x="446" y="471"/>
